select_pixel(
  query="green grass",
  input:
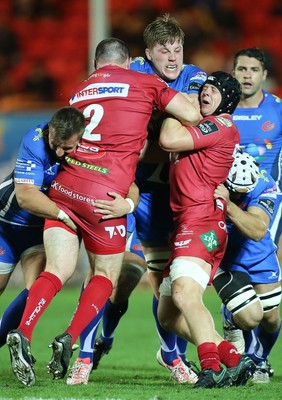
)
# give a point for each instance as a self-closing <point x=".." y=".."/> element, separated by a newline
<point x="130" y="371"/>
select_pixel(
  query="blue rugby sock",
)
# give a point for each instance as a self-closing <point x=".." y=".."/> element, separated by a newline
<point x="12" y="316"/>
<point x="265" y="343"/>
<point x="167" y="339"/>
<point x="181" y="347"/>
<point x="112" y="315"/>
<point x="88" y="336"/>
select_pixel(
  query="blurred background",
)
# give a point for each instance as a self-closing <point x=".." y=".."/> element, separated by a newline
<point x="47" y="47"/>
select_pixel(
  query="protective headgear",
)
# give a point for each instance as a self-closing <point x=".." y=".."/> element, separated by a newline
<point x="244" y="173"/>
<point x="229" y="88"/>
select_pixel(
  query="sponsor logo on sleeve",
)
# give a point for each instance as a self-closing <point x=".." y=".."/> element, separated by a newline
<point x="208" y="127"/>
<point x="194" y="86"/>
<point x="267" y="204"/>
<point x="224" y="121"/>
<point x="39" y="134"/>
<point x="200" y="75"/>
<point x="25" y="165"/>
<point x="24" y="180"/>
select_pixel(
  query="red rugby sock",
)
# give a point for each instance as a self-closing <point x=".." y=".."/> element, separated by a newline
<point x="208" y="356"/>
<point x="229" y="355"/>
<point x="40" y="295"/>
<point x="91" y="301"/>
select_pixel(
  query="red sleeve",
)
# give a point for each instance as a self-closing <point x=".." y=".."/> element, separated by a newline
<point x="211" y="131"/>
<point x="158" y="90"/>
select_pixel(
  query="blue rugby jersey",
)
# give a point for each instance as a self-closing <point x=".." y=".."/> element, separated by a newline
<point x="243" y="254"/>
<point x="261" y="134"/>
<point x="153" y="214"/>
<point x="36" y="164"/>
<point x="189" y="81"/>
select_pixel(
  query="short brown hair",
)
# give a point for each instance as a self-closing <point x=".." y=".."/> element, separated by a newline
<point x="66" y="122"/>
<point x="164" y="29"/>
<point x="252" y="52"/>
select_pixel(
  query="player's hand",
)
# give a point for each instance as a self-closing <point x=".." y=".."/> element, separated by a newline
<point x="66" y="219"/>
<point x="222" y="192"/>
<point x="71" y="224"/>
<point x="118" y="207"/>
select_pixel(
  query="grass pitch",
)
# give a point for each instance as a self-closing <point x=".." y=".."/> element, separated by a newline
<point x="130" y="371"/>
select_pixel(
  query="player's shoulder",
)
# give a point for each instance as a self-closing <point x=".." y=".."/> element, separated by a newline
<point x="34" y="139"/>
<point x="219" y="121"/>
<point x="140" y="64"/>
<point x="190" y="79"/>
<point x="265" y="179"/>
<point x="193" y="72"/>
<point x="272" y="99"/>
<point x="35" y="134"/>
<point x="266" y="186"/>
<point x="265" y="192"/>
<point x="145" y="78"/>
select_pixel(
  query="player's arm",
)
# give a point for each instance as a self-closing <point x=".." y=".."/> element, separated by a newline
<point x="151" y="152"/>
<point x="182" y="107"/>
<point x="119" y="206"/>
<point x="252" y="223"/>
<point x="30" y="198"/>
<point x="194" y="98"/>
<point x="175" y="137"/>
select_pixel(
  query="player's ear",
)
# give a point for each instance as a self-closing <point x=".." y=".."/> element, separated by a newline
<point x="148" y="54"/>
<point x="264" y="74"/>
<point x="127" y="66"/>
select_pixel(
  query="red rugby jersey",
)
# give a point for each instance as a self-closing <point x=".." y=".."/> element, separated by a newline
<point x="117" y="104"/>
<point x="194" y="175"/>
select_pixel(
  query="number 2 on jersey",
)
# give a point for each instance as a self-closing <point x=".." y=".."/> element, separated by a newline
<point x="98" y="113"/>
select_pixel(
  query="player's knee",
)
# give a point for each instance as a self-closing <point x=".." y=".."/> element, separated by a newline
<point x="239" y="296"/>
<point x="250" y="316"/>
<point x="156" y="260"/>
<point x="128" y="280"/>
<point x="132" y="272"/>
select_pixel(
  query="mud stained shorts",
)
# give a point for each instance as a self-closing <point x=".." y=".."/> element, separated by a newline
<point x="76" y="196"/>
<point x="203" y="238"/>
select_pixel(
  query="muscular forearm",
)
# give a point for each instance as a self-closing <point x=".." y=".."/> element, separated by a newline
<point x="175" y="137"/>
<point x="182" y="107"/>
<point x="250" y="225"/>
<point x="37" y="203"/>
<point x="34" y="201"/>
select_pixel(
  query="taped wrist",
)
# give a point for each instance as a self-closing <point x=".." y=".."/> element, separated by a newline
<point x="131" y="203"/>
<point x="62" y="216"/>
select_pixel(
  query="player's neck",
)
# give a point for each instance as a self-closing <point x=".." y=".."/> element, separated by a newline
<point x="251" y="101"/>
